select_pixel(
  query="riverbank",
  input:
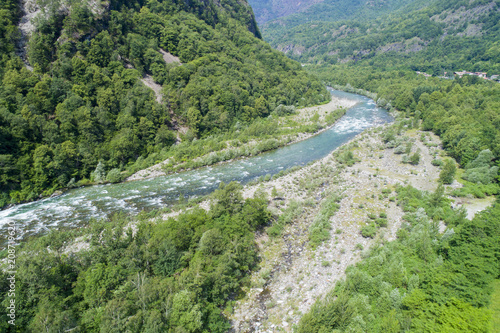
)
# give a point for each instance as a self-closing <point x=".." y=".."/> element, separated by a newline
<point x="320" y="118"/>
<point x="292" y="129"/>
<point x="293" y="274"/>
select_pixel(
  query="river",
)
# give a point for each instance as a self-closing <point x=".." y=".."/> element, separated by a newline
<point x="76" y="207"/>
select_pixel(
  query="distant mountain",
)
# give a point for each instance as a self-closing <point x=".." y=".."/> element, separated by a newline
<point x="267" y="10"/>
<point x="288" y="14"/>
<point x="440" y="36"/>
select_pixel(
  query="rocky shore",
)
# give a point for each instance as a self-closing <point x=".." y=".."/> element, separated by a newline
<point x="293" y="275"/>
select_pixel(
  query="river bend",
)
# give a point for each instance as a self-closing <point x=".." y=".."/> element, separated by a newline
<point x="78" y="206"/>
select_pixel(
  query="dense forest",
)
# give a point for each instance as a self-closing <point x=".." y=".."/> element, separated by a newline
<point x="266" y="10"/>
<point x="445" y="36"/>
<point x="140" y="274"/>
<point x="330" y="11"/>
<point x="83" y="102"/>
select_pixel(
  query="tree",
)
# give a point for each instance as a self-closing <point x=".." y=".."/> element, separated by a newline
<point x="415" y="158"/>
<point x="481" y="170"/>
<point x="448" y="172"/>
<point x="99" y="174"/>
<point x="193" y="116"/>
<point x="186" y="313"/>
<point x="101" y="49"/>
<point x="228" y="199"/>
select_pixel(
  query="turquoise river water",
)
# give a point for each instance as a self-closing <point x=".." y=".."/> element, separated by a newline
<point x="78" y="206"/>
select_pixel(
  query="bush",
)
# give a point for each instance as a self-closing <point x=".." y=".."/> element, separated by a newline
<point x="437" y="162"/>
<point x="347" y="158"/>
<point x="415" y="158"/>
<point x="369" y="231"/>
<point x="448" y="172"/>
<point x="400" y="149"/>
<point x="381" y="222"/>
<point x="114" y="176"/>
<point x="99" y="174"/>
<point x="284" y="110"/>
<point x="481" y="170"/>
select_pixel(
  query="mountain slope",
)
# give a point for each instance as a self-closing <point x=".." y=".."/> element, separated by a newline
<point x="442" y="36"/>
<point x="334" y="10"/>
<point x="268" y="10"/>
<point x="84" y="101"/>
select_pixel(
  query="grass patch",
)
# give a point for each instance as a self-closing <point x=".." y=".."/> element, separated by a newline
<point x="495" y="308"/>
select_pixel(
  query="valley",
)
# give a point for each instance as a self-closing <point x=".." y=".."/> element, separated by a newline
<point x="272" y="166"/>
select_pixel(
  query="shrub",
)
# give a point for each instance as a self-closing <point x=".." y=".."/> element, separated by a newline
<point x="415" y="158"/>
<point x="400" y="149"/>
<point x="481" y="170"/>
<point x="369" y="230"/>
<point x="448" y="172"/>
<point x="381" y="222"/>
<point x="283" y="110"/>
<point x="437" y="162"/>
<point x="347" y="158"/>
<point x="114" y="176"/>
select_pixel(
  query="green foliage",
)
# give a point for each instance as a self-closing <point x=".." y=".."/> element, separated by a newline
<point x="85" y="102"/>
<point x="167" y="275"/>
<point x="99" y="174"/>
<point x="319" y="231"/>
<point x="369" y="230"/>
<point x="414" y="158"/>
<point x="447" y="174"/>
<point x="282" y="110"/>
<point x="481" y="170"/>
<point x="437" y="162"/>
<point x="114" y="176"/>
<point x="495" y="308"/>
<point x="290" y="213"/>
<point x="422" y="282"/>
<point x="477" y="190"/>
<point x="347" y="158"/>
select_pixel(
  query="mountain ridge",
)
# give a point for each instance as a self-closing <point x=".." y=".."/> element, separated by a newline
<point x="426" y="34"/>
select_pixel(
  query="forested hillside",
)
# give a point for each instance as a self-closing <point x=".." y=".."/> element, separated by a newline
<point x="83" y="102"/>
<point x="267" y="10"/>
<point x="332" y="11"/>
<point x="445" y="36"/>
